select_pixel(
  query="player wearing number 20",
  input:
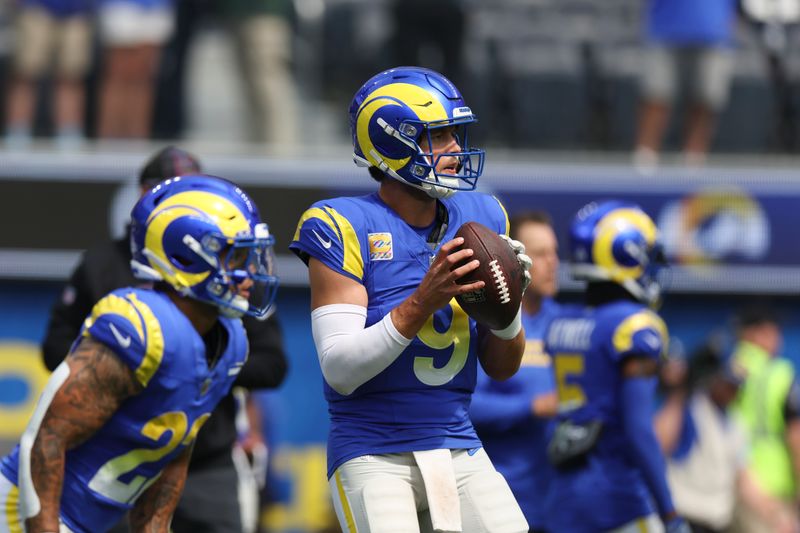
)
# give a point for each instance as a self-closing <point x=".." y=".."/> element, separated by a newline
<point x="609" y="469"/>
<point x="114" y="427"/>
<point x="397" y="352"/>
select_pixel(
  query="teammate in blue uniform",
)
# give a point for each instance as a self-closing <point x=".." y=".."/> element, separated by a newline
<point x="512" y="417"/>
<point x="398" y="354"/>
<point x="114" y="427"/>
<point x="610" y="474"/>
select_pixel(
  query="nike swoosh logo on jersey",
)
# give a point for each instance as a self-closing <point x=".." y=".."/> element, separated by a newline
<point x="123" y="340"/>
<point x="323" y="242"/>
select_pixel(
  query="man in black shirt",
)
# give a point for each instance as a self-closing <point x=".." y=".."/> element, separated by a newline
<point x="210" y="500"/>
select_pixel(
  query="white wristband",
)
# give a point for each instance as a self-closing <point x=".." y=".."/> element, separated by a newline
<point x="512" y="330"/>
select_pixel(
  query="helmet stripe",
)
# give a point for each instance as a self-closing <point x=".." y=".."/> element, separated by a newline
<point x="223" y="212"/>
<point x="201" y="204"/>
<point x="425" y="105"/>
<point x="362" y="132"/>
<point x="422" y="102"/>
<point x="154" y="241"/>
<point x="606" y="232"/>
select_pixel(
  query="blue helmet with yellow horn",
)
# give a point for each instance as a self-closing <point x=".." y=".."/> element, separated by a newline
<point x="393" y="110"/>
<point x="203" y="236"/>
<point x="618" y="242"/>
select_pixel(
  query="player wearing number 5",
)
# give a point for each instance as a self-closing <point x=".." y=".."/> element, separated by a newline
<point x="609" y="469"/>
<point x="114" y="427"/>
<point x="398" y="354"/>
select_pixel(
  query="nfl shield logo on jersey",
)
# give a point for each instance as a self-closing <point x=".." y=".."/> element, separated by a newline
<point x="380" y="246"/>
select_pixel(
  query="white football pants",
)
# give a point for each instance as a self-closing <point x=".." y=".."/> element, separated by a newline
<point x="386" y="493"/>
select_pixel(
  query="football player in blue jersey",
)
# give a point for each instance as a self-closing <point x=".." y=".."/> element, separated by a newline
<point x="398" y="354"/>
<point x="609" y="471"/>
<point x="114" y="427"/>
<point x="512" y="417"/>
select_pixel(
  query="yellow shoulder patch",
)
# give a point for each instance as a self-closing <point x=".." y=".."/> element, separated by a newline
<point x="353" y="261"/>
<point x="321" y="214"/>
<point x="645" y="319"/>
<point x="144" y="322"/>
<point x="505" y="215"/>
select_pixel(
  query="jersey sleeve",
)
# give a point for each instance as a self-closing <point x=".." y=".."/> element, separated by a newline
<point x="501" y="216"/>
<point x="642" y="334"/>
<point x="131" y="330"/>
<point x="495" y="411"/>
<point x="325" y="234"/>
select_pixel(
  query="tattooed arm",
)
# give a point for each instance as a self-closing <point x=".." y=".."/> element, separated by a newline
<point x="98" y="382"/>
<point x="153" y="510"/>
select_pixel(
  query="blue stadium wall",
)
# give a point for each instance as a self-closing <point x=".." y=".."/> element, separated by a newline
<point x="730" y="234"/>
<point x="295" y="416"/>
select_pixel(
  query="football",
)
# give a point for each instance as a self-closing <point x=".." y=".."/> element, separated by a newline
<point x="497" y="303"/>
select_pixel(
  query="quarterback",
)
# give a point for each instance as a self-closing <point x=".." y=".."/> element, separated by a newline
<point x="114" y="427"/>
<point x="398" y="354"/>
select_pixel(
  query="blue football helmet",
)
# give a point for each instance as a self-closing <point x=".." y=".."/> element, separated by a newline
<point x="203" y="236"/>
<point x="393" y="110"/>
<point x="618" y="242"/>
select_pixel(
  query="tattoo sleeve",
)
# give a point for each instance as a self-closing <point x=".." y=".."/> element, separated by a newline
<point x="154" y="508"/>
<point x="97" y="384"/>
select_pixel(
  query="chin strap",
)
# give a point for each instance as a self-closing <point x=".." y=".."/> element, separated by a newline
<point x="436" y="191"/>
<point x="235" y="307"/>
<point x="648" y="293"/>
<point x="428" y="187"/>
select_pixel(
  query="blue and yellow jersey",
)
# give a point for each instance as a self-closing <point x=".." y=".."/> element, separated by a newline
<point x="514" y="439"/>
<point x="106" y="474"/>
<point x="421" y="400"/>
<point x="588" y="346"/>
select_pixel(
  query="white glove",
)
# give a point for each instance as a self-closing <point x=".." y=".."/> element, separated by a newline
<point x="524" y="260"/>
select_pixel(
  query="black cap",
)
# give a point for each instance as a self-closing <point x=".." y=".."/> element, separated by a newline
<point x="167" y="163"/>
<point x="757" y="315"/>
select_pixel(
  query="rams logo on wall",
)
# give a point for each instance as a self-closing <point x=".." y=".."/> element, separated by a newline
<point x="22" y="378"/>
<point x="713" y="226"/>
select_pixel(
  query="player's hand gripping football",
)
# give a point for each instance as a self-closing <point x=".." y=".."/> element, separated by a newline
<point x="439" y="285"/>
<point x="525" y="261"/>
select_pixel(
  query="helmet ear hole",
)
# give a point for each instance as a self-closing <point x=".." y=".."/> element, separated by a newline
<point x="182" y="260"/>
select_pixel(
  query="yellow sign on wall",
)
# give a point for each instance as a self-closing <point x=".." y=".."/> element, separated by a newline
<point x="22" y="378"/>
<point x="309" y="507"/>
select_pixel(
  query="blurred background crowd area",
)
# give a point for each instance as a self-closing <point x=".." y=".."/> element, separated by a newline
<point x="540" y="74"/>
